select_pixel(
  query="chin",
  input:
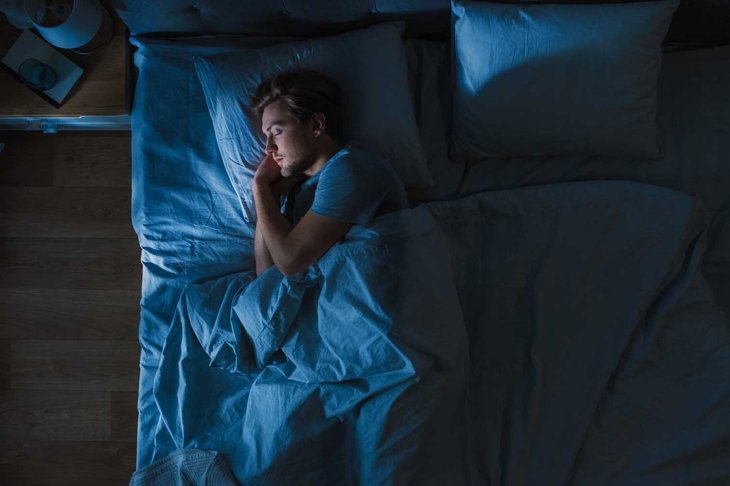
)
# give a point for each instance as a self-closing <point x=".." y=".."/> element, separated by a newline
<point x="287" y="170"/>
<point x="293" y="169"/>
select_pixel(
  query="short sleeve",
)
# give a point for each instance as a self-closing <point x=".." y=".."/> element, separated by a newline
<point x="349" y="190"/>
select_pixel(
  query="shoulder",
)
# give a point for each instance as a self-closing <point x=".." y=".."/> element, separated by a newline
<point x="359" y="154"/>
<point x="354" y="161"/>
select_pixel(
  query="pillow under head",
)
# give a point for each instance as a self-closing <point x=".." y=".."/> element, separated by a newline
<point x="369" y="66"/>
<point x="556" y="79"/>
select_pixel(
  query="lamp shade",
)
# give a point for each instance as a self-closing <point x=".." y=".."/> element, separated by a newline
<point x="78" y="29"/>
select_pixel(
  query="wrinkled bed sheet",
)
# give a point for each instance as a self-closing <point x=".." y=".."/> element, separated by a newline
<point x="693" y="116"/>
<point x="349" y="373"/>
<point x="582" y="303"/>
<point x="598" y="355"/>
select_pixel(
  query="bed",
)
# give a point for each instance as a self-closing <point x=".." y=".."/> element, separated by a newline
<point x="539" y="319"/>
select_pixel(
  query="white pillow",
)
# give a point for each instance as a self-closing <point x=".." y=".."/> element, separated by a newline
<point x="370" y="67"/>
<point x="556" y="79"/>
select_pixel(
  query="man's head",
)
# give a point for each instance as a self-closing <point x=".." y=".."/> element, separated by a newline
<point x="301" y="117"/>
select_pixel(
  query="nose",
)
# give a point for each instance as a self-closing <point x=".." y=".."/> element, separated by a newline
<point x="270" y="145"/>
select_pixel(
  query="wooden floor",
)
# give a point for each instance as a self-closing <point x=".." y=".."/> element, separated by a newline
<point x="70" y="282"/>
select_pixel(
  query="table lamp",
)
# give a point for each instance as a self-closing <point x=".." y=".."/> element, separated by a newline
<point x="81" y="25"/>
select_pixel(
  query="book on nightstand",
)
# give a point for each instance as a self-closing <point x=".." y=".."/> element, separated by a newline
<point x="41" y="68"/>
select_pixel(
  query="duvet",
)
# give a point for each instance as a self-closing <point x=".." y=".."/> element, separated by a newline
<point x="349" y="373"/>
<point x="597" y="352"/>
<point x="558" y="334"/>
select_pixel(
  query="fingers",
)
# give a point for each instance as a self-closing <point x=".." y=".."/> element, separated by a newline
<point x="268" y="158"/>
<point x="268" y="170"/>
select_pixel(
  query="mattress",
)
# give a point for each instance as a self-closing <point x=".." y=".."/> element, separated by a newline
<point x="191" y="230"/>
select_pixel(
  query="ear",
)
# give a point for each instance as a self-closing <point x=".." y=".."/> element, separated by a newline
<point x="319" y="124"/>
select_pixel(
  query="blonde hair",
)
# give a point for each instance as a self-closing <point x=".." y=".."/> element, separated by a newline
<point x="305" y="93"/>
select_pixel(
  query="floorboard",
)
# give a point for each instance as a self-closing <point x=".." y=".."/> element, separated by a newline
<point x="70" y="279"/>
<point x="69" y="314"/>
<point x="66" y="463"/>
<point x="70" y="263"/>
<point x="54" y="415"/>
<point x="65" y="212"/>
<point x="27" y="159"/>
<point x="123" y="416"/>
<point x="84" y="161"/>
<point x="74" y="365"/>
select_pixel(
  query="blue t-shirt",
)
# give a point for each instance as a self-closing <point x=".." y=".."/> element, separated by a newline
<point x="354" y="186"/>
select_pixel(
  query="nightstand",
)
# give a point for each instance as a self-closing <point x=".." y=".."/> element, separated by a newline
<point x="101" y="99"/>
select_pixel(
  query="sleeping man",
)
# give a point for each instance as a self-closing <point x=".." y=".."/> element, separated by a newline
<point x="329" y="185"/>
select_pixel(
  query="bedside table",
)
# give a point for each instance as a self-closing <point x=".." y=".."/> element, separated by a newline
<point x="101" y="99"/>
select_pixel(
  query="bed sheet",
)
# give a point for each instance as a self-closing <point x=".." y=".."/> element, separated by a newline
<point x="184" y="209"/>
<point x="182" y="200"/>
<point x="565" y="349"/>
<point x="349" y="373"/>
<point x="598" y="355"/>
<point x="694" y="122"/>
<point x="189" y="221"/>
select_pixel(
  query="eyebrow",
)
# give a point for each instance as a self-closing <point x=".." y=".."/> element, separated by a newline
<point x="276" y="122"/>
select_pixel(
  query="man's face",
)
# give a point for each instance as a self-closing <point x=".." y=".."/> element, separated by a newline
<point x="288" y="140"/>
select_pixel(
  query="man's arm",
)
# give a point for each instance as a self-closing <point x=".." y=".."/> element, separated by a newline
<point x="261" y="252"/>
<point x="293" y="249"/>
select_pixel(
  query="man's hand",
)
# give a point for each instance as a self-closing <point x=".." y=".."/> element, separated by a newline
<point x="269" y="174"/>
<point x="268" y="171"/>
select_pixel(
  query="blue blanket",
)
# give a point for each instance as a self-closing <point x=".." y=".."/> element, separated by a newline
<point x="547" y="335"/>
<point x="598" y="355"/>
<point x="350" y="373"/>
